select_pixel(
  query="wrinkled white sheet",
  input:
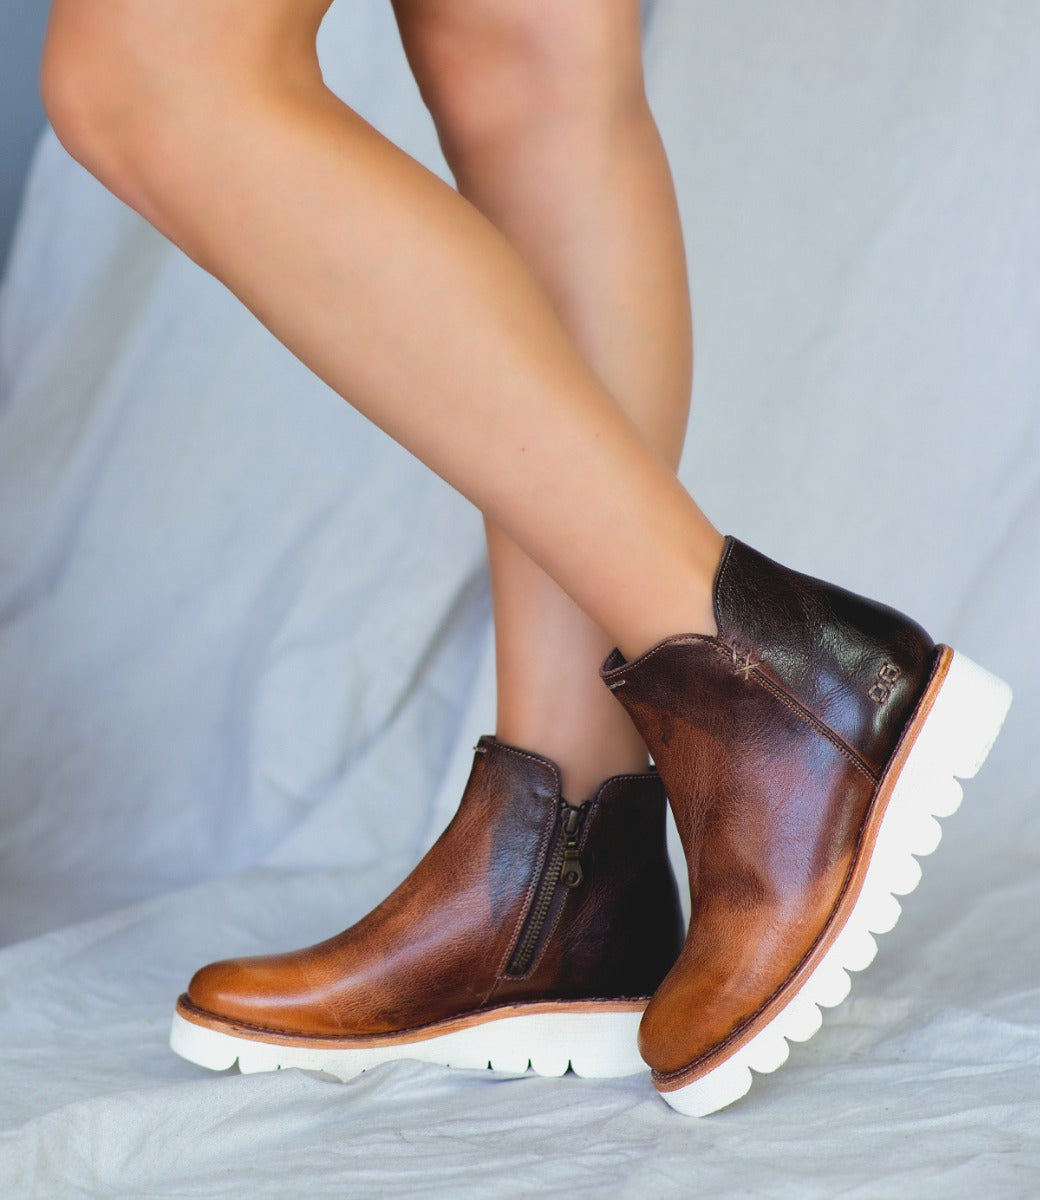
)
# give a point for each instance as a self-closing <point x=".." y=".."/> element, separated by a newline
<point x="244" y="647"/>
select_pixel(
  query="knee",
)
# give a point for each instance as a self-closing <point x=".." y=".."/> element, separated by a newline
<point x="129" y="86"/>
<point x="542" y="68"/>
<point x="92" y="88"/>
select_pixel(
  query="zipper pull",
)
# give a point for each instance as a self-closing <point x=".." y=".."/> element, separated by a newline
<point x="571" y="873"/>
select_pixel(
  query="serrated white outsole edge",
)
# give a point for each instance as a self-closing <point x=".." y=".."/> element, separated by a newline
<point x="954" y="740"/>
<point x="596" y="1045"/>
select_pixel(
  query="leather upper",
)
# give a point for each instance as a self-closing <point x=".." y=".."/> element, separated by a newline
<point x="770" y="746"/>
<point x="857" y="665"/>
<point x="441" y="943"/>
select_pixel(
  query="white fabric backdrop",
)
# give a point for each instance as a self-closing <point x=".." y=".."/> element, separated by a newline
<point x="244" y="648"/>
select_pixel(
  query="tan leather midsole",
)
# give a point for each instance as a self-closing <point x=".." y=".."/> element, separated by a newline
<point x="843" y="909"/>
<point x="198" y="1016"/>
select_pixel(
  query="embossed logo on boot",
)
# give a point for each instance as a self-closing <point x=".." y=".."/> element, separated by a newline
<point x="881" y="688"/>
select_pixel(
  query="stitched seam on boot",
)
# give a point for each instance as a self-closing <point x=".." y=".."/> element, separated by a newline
<point x="525" y="908"/>
<point x="547" y="936"/>
<point x="544" y="762"/>
<point x="679" y="639"/>
<point x="543" y="850"/>
<point x="796" y="707"/>
<point x="809" y="718"/>
<point x="387" y="1034"/>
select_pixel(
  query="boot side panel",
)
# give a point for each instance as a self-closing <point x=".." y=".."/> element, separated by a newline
<point x="770" y="816"/>
<point x="620" y="931"/>
<point x="432" y="948"/>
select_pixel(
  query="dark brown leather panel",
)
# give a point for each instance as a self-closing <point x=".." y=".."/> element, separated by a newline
<point x="619" y="932"/>
<point x="858" y="665"/>
<point x="438" y="945"/>
<point x="769" y="813"/>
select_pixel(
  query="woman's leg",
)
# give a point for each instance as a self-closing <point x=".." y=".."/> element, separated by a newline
<point x="543" y="119"/>
<point x="783" y="742"/>
<point x="213" y="121"/>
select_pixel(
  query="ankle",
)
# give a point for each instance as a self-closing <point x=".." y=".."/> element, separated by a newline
<point x="686" y="606"/>
<point x="584" y="762"/>
<point x="581" y="781"/>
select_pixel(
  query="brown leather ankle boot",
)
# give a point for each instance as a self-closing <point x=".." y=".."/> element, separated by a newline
<point x="805" y="751"/>
<point x="533" y="932"/>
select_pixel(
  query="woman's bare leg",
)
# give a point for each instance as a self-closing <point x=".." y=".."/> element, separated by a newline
<point x="210" y="117"/>
<point x="543" y="118"/>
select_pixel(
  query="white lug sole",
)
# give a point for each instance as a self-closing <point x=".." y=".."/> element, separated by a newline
<point x="952" y="742"/>
<point x="594" y="1044"/>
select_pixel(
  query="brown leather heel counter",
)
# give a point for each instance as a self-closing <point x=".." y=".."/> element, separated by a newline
<point x="858" y="666"/>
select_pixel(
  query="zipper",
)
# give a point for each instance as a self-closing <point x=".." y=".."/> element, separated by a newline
<point x="562" y="869"/>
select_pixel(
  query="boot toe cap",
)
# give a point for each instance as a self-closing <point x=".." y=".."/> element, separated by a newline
<point x="228" y="989"/>
<point x="259" y="992"/>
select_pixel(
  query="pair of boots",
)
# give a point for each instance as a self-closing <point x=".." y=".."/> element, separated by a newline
<point x="805" y="752"/>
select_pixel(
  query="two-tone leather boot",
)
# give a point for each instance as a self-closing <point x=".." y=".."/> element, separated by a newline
<point x="532" y="932"/>
<point x="806" y="751"/>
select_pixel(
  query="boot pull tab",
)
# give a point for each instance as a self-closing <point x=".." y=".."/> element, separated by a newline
<point x="571" y="873"/>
